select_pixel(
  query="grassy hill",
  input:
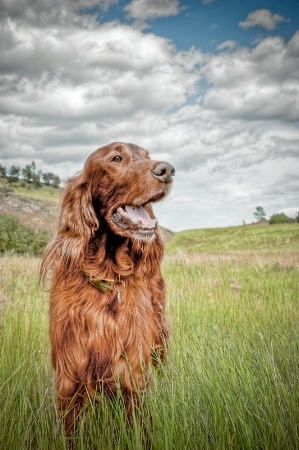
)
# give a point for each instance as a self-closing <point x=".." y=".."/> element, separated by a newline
<point x="38" y="209"/>
<point x="273" y="238"/>
<point x="47" y="193"/>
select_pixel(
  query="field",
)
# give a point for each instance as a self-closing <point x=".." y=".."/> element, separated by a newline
<point x="231" y="381"/>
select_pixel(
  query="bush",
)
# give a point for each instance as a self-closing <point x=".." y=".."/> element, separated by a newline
<point x="280" y="218"/>
<point x="6" y="189"/>
<point x="17" y="237"/>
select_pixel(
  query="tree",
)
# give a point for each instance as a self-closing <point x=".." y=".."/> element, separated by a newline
<point x="51" y="180"/>
<point x="297" y="217"/>
<point x="259" y="214"/>
<point x="14" y="173"/>
<point x="47" y="176"/>
<point x="28" y="172"/>
<point x="36" y="177"/>
<point x="2" y="171"/>
<point x="56" y="181"/>
<point x="30" y="175"/>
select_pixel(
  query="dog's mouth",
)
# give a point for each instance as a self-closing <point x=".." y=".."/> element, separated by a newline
<point x="134" y="219"/>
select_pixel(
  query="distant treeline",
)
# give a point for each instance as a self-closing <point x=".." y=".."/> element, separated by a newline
<point x="281" y="217"/>
<point x="29" y="174"/>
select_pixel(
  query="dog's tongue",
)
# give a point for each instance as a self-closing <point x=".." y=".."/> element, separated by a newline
<point x="137" y="214"/>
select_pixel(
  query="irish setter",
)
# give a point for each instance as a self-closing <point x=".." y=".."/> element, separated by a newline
<point x="107" y="300"/>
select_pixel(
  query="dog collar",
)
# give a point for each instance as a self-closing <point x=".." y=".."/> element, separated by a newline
<point x="107" y="285"/>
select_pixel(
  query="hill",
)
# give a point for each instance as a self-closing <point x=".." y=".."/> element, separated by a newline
<point x="36" y="213"/>
<point x="280" y="237"/>
<point x="38" y="208"/>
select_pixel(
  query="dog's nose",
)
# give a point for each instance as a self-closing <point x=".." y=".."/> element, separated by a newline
<point x="164" y="172"/>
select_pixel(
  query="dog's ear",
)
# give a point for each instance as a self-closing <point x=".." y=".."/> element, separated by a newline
<point x="77" y="224"/>
<point x="78" y="221"/>
<point x="77" y="216"/>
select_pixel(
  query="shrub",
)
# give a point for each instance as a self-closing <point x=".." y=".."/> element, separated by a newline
<point x="6" y="189"/>
<point x="280" y="218"/>
<point x="17" y="237"/>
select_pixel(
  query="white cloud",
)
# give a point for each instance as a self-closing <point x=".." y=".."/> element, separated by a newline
<point x="262" y="18"/>
<point x="258" y="83"/>
<point x="227" y="45"/>
<point x="226" y="121"/>
<point x="88" y="75"/>
<point x="43" y="13"/>
<point x="290" y="212"/>
<point x="144" y="10"/>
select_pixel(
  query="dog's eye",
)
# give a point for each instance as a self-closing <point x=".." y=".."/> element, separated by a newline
<point x="117" y="158"/>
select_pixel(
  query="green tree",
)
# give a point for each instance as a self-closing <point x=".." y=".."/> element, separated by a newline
<point x="259" y="214"/>
<point x="36" y="179"/>
<point x="2" y="171"/>
<point x="31" y="175"/>
<point x="50" y="179"/>
<point x="46" y="177"/>
<point x="56" y="181"/>
<point x="28" y="172"/>
<point x="14" y="173"/>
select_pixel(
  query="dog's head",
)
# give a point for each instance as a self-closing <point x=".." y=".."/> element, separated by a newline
<point x="117" y="186"/>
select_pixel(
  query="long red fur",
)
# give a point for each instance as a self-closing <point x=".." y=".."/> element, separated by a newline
<point x="98" y="343"/>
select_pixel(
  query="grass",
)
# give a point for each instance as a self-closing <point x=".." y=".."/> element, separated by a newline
<point x="251" y="238"/>
<point x="231" y="381"/>
<point x="21" y="187"/>
<point x="238" y="327"/>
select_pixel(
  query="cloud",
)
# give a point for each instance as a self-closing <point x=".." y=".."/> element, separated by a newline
<point x="255" y="84"/>
<point x="225" y="120"/>
<point x="69" y="88"/>
<point x="144" y="10"/>
<point x="86" y="75"/>
<point x="42" y="13"/>
<point x="290" y="212"/>
<point x="262" y="18"/>
<point x="227" y="45"/>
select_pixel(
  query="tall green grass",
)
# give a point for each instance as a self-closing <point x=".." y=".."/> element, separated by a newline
<point x="231" y="380"/>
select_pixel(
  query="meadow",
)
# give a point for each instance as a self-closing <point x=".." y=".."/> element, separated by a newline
<point x="231" y="380"/>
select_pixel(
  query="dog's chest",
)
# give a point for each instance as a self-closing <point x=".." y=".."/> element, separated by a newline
<point x="136" y="317"/>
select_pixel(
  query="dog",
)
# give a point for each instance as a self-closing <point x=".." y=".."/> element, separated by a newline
<point x="107" y="297"/>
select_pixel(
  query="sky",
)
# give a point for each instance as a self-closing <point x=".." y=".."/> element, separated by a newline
<point x="211" y="86"/>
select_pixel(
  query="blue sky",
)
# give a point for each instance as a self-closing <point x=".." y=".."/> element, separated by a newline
<point x="208" y="25"/>
<point x="210" y="86"/>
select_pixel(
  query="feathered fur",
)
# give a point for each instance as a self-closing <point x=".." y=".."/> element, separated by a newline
<point x="97" y="341"/>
